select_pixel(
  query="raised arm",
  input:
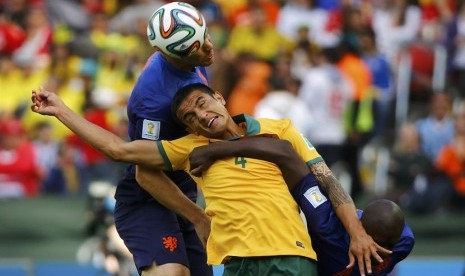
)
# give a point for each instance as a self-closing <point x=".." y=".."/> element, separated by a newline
<point x="143" y="153"/>
<point x="269" y="149"/>
<point x="136" y="152"/>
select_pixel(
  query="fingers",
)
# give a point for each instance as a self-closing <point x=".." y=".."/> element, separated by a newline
<point x="375" y="255"/>
<point x="34" y="105"/>
<point x="34" y="108"/>
<point x="368" y="262"/>
<point x="196" y="172"/>
<point x="351" y="260"/>
<point x="361" y="265"/>
<point x="382" y="249"/>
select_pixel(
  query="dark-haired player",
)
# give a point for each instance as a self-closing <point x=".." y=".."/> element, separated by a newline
<point x="382" y="219"/>
<point x="161" y="242"/>
<point x="203" y="111"/>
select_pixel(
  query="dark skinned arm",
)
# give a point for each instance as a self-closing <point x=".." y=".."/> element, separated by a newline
<point x="281" y="153"/>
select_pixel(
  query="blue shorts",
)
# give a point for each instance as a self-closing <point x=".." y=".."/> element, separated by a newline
<point x="153" y="233"/>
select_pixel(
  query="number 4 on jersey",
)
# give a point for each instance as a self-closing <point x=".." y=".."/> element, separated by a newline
<point x="240" y="161"/>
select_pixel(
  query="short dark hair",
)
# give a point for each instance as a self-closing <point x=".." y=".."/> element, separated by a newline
<point x="383" y="219"/>
<point x="182" y="94"/>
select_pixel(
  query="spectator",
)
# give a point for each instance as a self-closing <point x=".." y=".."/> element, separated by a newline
<point x="20" y="174"/>
<point x="251" y="86"/>
<point x="303" y="53"/>
<point x="359" y="115"/>
<point x="46" y="147"/>
<point x="258" y="38"/>
<point x="352" y="26"/>
<point x="17" y="11"/>
<point x="382" y="80"/>
<point x="244" y="14"/>
<point x="395" y="23"/>
<point x="125" y="20"/>
<point x="282" y="102"/>
<point x="409" y="168"/>
<point x="436" y="129"/>
<point x="63" y="178"/>
<point x="451" y="161"/>
<point x="95" y="166"/>
<point x="11" y="35"/>
<point x="297" y="14"/>
<point x="35" y="51"/>
<point x="71" y="91"/>
<point x="455" y="44"/>
<point x="326" y="93"/>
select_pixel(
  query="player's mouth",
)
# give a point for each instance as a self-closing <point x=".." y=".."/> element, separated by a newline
<point x="210" y="123"/>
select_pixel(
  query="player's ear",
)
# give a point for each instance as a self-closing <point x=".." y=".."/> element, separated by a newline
<point x="219" y="97"/>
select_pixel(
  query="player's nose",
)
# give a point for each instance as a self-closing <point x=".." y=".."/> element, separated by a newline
<point x="207" y="45"/>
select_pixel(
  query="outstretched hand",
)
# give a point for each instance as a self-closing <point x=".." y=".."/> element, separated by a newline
<point x="45" y="102"/>
<point x="363" y="248"/>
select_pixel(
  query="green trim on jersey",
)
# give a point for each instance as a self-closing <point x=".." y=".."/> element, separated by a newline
<point x="163" y="154"/>
<point x="314" y="161"/>
<point x="253" y="126"/>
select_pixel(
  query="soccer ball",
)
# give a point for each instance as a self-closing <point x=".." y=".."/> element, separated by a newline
<point x="177" y="29"/>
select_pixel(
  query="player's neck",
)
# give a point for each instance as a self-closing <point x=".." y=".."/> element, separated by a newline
<point x="235" y="130"/>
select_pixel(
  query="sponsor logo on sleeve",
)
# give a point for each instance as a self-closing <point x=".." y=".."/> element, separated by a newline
<point x="151" y="130"/>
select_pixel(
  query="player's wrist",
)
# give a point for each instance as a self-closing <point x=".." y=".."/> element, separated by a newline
<point x="198" y="216"/>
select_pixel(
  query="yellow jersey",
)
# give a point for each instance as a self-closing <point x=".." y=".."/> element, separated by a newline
<point x="252" y="211"/>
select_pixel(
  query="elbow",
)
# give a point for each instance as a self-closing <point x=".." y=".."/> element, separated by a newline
<point x="114" y="154"/>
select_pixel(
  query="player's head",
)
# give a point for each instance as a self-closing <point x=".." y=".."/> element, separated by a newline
<point x="179" y="31"/>
<point x="384" y="221"/>
<point x="201" y="109"/>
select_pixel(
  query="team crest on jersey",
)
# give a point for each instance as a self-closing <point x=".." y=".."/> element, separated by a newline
<point x="315" y="197"/>
<point x="170" y="243"/>
<point x="150" y="129"/>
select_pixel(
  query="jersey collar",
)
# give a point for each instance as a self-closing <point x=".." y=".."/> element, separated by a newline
<point x="252" y="125"/>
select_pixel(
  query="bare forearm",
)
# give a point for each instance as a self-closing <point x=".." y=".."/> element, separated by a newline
<point x="160" y="187"/>
<point x="97" y="137"/>
<point x="341" y="201"/>
<point x="269" y="149"/>
<point x="137" y="152"/>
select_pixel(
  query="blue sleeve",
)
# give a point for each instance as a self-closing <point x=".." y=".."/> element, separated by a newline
<point x="315" y="206"/>
<point x="400" y="251"/>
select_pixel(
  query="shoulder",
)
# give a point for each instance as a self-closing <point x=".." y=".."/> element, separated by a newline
<point x="273" y="124"/>
<point x="406" y="242"/>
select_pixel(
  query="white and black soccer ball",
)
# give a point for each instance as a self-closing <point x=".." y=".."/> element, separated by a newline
<point x="177" y="29"/>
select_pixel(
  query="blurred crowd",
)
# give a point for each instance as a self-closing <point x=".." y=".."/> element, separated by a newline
<point x="337" y="68"/>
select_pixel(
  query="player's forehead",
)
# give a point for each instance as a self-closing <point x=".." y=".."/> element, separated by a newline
<point x="189" y="102"/>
